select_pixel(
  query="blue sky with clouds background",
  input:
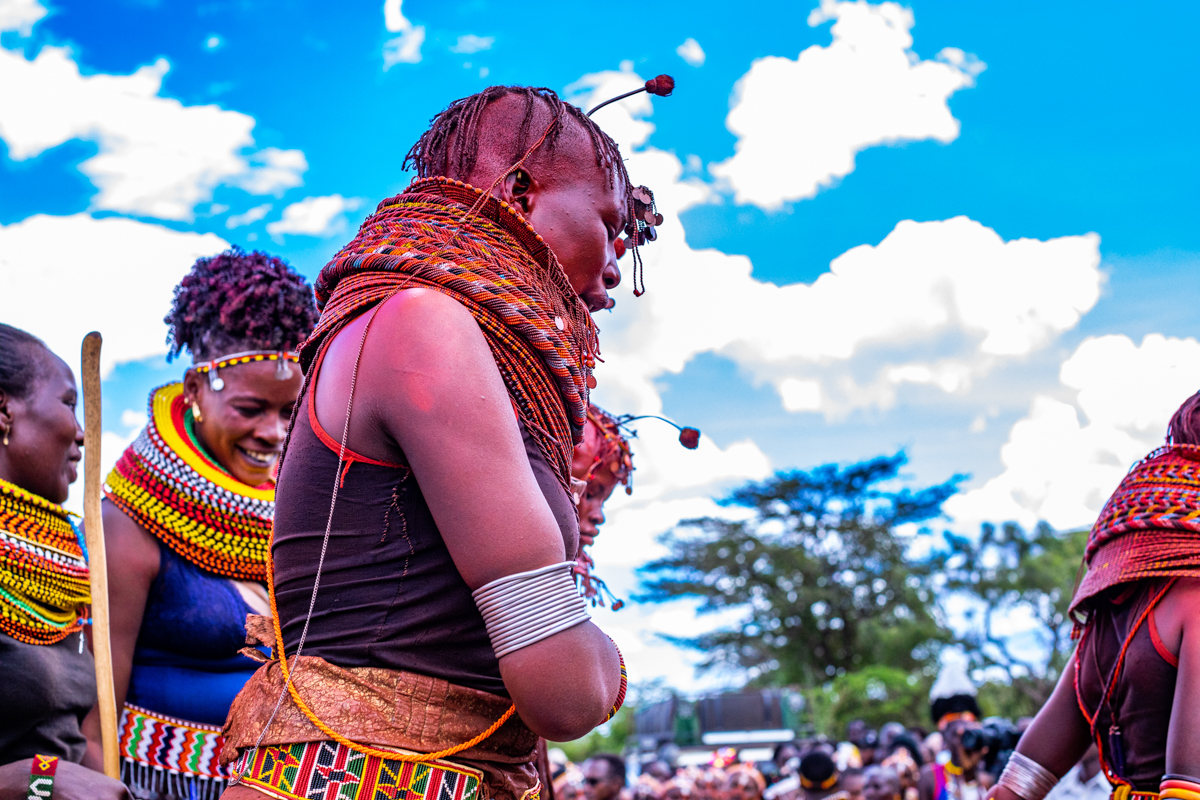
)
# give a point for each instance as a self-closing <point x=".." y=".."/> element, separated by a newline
<point x="961" y="229"/>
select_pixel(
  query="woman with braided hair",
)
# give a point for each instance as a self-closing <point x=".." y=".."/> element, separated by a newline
<point x="187" y="519"/>
<point x="1133" y="685"/>
<point x="429" y="628"/>
<point x="49" y="677"/>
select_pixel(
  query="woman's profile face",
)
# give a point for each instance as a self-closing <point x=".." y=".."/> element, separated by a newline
<point x="570" y="203"/>
<point x="591" y="505"/>
<point x="45" y="439"/>
<point x="244" y="425"/>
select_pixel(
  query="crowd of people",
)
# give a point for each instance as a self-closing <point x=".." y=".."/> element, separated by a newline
<point x="961" y="759"/>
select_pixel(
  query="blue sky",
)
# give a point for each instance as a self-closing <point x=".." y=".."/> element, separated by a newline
<point x="1008" y="201"/>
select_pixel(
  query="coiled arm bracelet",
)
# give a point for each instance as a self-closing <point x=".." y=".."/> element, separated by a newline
<point x="1026" y="778"/>
<point x="526" y="607"/>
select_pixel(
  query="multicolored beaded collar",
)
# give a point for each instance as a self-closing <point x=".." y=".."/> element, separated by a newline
<point x="167" y="484"/>
<point x="283" y="360"/>
<point x="44" y="591"/>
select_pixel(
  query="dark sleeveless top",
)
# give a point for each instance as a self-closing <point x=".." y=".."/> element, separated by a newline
<point x="390" y="594"/>
<point x="1145" y="688"/>
<point x="46" y="692"/>
<point x="186" y="663"/>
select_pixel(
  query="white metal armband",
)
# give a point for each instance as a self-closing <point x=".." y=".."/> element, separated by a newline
<point x="1026" y="778"/>
<point x="526" y="607"/>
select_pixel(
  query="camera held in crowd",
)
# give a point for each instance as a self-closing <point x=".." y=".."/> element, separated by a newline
<point x="998" y="735"/>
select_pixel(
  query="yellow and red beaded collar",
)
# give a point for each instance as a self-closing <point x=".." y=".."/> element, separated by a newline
<point x="44" y="590"/>
<point x="166" y="483"/>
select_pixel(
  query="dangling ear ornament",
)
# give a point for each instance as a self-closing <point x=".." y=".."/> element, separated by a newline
<point x="215" y="381"/>
<point x="196" y="412"/>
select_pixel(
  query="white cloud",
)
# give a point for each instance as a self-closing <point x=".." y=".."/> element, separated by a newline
<point x="119" y="281"/>
<point x="393" y="16"/>
<point x="248" y="217"/>
<point x="273" y="171"/>
<point x="800" y="122"/>
<point x="405" y="48"/>
<point x="470" y="43"/>
<point x="315" y="216"/>
<point x="20" y="15"/>
<point x="157" y="157"/>
<point x="935" y="303"/>
<point x="691" y="52"/>
<point x="1066" y="456"/>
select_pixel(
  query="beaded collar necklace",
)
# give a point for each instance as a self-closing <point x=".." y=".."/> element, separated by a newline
<point x="44" y="591"/>
<point x="166" y="483"/>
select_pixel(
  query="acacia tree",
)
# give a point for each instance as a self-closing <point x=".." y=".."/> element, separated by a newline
<point x="819" y="570"/>
<point x="1012" y="574"/>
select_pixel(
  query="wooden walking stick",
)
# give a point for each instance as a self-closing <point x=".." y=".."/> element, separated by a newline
<point x="97" y="563"/>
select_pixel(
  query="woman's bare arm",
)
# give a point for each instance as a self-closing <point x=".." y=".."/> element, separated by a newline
<point x="433" y="386"/>
<point x="1178" y="620"/>
<point x="1058" y="736"/>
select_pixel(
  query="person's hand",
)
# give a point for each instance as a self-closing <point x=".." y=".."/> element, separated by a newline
<point x="999" y="792"/>
<point x="71" y="782"/>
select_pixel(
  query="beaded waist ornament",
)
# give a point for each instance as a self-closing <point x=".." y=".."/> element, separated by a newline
<point x="332" y="771"/>
<point x="168" y="756"/>
<point x="167" y="484"/>
<point x="44" y="591"/>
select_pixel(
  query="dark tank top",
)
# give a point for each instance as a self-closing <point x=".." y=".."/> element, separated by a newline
<point x="390" y="594"/>
<point x="1145" y="688"/>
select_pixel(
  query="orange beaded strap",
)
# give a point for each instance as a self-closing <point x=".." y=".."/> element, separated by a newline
<point x="337" y="737"/>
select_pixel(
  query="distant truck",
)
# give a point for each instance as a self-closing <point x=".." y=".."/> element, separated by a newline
<point x="689" y="732"/>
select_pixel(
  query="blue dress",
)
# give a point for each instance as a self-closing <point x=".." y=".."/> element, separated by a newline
<point x="186" y="663"/>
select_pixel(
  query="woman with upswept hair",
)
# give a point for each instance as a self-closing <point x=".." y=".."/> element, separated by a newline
<point x="1133" y="684"/>
<point x="187" y="517"/>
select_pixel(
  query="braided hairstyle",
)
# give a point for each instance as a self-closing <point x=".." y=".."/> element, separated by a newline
<point x="1184" y="427"/>
<point x="239" y="301"/>
<point x="451" y="144"/>
<point x="20" y="361"/>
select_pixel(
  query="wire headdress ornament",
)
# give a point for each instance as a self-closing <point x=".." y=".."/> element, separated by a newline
<point x="644" y="213"/>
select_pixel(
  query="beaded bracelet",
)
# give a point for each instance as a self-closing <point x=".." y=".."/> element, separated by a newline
<point x="620" y="701"/>
<point x="41" y="777"/>
<point x="1179" y="787"/>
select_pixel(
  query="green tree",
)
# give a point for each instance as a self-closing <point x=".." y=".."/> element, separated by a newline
<point x="1009" y="574"/>
<point x="818" y="569"/>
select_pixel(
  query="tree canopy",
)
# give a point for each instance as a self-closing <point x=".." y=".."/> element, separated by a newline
<point x="820" y="569"/>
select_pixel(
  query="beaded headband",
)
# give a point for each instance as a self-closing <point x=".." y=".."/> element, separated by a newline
<point x="283" y="368"/>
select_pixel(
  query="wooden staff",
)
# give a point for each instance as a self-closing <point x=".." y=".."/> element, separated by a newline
<point x="97" y="563"/>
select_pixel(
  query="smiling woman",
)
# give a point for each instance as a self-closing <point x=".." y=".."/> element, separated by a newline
<point x="188" y="514"/>
<point x="49" y="683"/>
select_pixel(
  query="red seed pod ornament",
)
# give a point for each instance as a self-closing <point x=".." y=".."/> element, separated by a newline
<point x="689" y="438"/>
<point x="619" y="247"/>
<point x="662" y="85"/>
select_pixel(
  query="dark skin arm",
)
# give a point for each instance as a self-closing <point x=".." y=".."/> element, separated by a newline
<point x="1059" y="735"/>
<point x="435" y="395"/>
<point x="133" y="560"/>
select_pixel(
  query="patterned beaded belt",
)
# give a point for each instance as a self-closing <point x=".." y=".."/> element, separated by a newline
<point x="171" y="756"/>
<point x="331" y="771"/>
